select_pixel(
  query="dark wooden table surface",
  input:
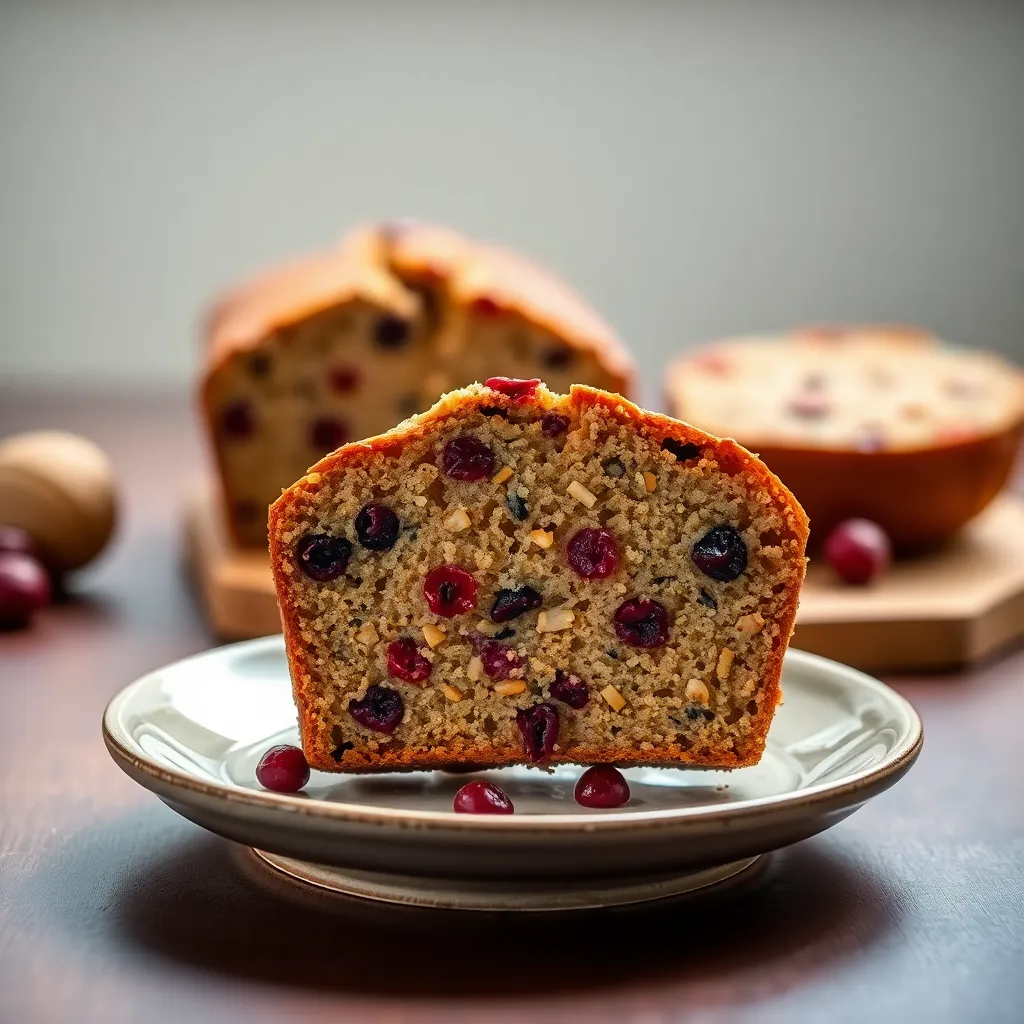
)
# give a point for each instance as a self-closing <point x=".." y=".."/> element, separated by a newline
<point x="112" y="908"/>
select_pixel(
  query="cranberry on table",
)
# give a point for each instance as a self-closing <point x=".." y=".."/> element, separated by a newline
<point x="283" y="769"/>
<point x="24" y="588"/>
<point x="602" y="786"/>
<point x="570" y="689"/>
<point x="377" y="527"/>
<point x="513" y="387"/>
<point x="510" y="604"/>
<point x="642" y="622"/>
<point x="593" y="553"/>
<point x="538" y="726"/>
<point x="467" y="458"/>
<point x="13" y="538"/>
<point x="858" y="550"/>
<point x="405" y="661"/>
<point x="482" y="798"/>
<point x="721" y="554"/>
<point x="450" y="591"/>
<point x="322" y="557"/>
<point x="382" y="709"/>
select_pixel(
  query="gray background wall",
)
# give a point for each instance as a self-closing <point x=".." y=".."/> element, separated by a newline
<point x="695" y="168"/>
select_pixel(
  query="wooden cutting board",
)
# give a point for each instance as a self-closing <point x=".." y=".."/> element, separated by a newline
<point x="949" y="608"/>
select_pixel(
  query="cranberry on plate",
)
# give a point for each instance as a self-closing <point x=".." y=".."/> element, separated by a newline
<point x="450" y="591"/>
<point x="858" y="550"/>
<point x="24" y="588"/>
<point x="283" y="769"/>
<point x="601" y="786"/>
<point x="482" y="798"/>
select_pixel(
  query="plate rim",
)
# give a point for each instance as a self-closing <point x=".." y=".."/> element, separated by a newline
<point x="864" y="784"/>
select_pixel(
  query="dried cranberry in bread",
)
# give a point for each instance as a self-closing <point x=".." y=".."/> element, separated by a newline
<point x="344" y="344"/>
<point x="878" y="422"/>
<point x="517" y="576"/>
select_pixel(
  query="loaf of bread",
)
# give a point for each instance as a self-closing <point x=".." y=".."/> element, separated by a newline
<point x="881" y="422"/>
<point x="344" y="344"/>
<point x="517" y="576"/>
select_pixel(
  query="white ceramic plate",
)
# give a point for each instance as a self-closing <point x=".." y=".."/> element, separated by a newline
<point x="193" y="732"/>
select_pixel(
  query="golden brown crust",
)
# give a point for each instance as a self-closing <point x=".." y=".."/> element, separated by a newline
<point x="921" y="495"/>
<point x="732" y="458"/>
<point x="360" y="265"/>
<point x="477" y="271"/>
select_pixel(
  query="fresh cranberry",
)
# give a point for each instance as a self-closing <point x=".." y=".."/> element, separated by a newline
<point x="720" y="553"/>
<point x="642" y="622"/>
<point x="858" y="550"/>
<point x="510" y="604"/>
<point x="554" y="425"/>
<point x="592" y="553"/>
<point x="344" y="379"/>
<point x="449" y="591"/>
<point x="513" y="387"/>
<point x="486" y="307"/>
<point x="377" y="527"/>
<point x="405" y="661"/>
<point x="570" y="689"/>
<point x="24" y="587"/>
<point x="602" y="786"/>
<point x="321" y="557"/>
<point x="467" y="458"/>
<point x="283" y="769"/>
<point x="683" y="451"/>
<point x="237" y="420"/>
<point x="482" y="798"/>
<point x="539" y="727"/>
<point x="381" y="709"/>
<point x="327" y="433"/>
<point x="496" y="661"/>
<point x="391" y="332"/>
<point x="12" y="538"/>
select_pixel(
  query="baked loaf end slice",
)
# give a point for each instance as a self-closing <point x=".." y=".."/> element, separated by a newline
<point x="517" y="576"/>
<point x="346" y="343"/>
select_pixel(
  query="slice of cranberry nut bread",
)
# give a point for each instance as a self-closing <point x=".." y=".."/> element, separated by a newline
<point x="519" y="576"/>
